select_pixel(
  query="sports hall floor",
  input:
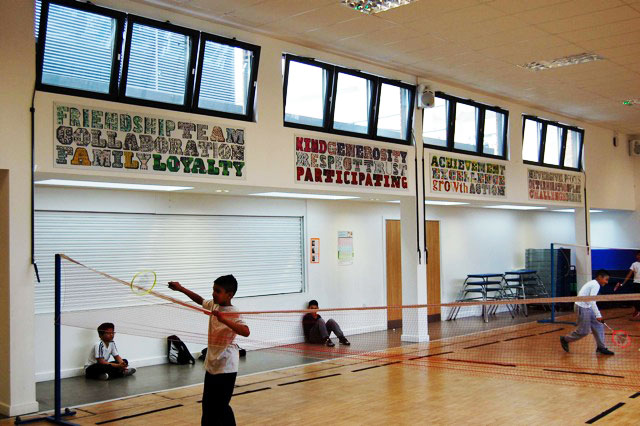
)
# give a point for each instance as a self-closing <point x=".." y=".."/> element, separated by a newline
<point x="478" y="377"/>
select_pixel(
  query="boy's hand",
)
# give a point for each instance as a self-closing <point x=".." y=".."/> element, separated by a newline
<point x="175" y="286"/>
<point x="601" y="320"/>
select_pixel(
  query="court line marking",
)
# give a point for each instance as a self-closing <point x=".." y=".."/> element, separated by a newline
<point x="308" y="380"/>
<point x="519" y="337"/>
<point x="604" y="413"/>
<point x="501" y="364"/>
<point x="430" y="355"/>
<point x="139" y="414"/>
<point x="583" y="372"/>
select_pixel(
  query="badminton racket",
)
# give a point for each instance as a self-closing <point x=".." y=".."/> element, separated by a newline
<point x="620" y="338"/>
<point x="143" y="282"/>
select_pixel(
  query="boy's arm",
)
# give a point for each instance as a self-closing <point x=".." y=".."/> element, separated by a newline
<point x="238" y="328"/>
<point x="176" y="286"/>
<point x="627" y="278"/>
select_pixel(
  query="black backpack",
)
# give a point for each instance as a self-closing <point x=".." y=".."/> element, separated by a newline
<point x="178" y="353"/>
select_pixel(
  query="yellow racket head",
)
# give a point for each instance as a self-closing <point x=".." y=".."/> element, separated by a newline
<point x="143" y="282"/>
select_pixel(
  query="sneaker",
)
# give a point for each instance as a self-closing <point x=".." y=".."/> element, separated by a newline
<point x="344" y="341"/>
<point x="103" y="376"/>
<point x="130" y="372"/>
<point x="604" y="351"/>
<point x="329" y="343"/>
<point x="564" y="343"/>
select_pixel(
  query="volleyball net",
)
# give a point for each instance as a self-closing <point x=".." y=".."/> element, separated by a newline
<point x="492" y="329"/>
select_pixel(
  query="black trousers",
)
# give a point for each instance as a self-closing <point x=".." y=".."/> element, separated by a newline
<point x="95" y="370"/>
<point x="218" y="389"/>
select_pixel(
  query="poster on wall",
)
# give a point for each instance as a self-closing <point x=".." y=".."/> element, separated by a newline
<point x="554" y="186"/>
<point x="99" y="139"/>
<point x="334" y="163"/>
<point x="345" y="247"/>
<point x="469" y="177"/>
<point x="315" y="250"/>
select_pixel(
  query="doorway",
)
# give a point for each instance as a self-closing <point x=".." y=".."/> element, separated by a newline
<point x="394" y="271"/>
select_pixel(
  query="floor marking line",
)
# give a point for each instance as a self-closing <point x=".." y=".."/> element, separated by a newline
<point x="308" y="380"/>
<point x="519" y="337"/>
<point x="501" y="364"/>
<point x="376" y="366"/>
<point x="482" y="344"/>
<point x="430" y="355"/>
<point x="551" y="331"/>
<point x="604" y="413"/>
<point x="139" y="414"/>
<point x="583" y="372"/>
<point x="635" y="395"/>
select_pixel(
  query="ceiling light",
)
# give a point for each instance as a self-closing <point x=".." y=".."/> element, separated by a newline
<point x="444" y="203"/>
<point x="300" y="195"/>
<point x="374" y="6"/>
<point x="111" y="185"/>
<point x="394" y="201"/>
<point x="514" y="207"/>
<point x="580" y="58"/>
<point x="573" y="211"/>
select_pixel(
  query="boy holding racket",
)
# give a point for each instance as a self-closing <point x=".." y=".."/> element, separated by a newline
<point x="634" y="271"/>
<point x="221" y="362"/>
<point x="589" y="317"/>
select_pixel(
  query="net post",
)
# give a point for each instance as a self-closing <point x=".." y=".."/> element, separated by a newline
<point x="57" y="384"/>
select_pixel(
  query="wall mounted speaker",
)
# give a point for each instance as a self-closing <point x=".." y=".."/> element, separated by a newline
<point x="425" y="97"/>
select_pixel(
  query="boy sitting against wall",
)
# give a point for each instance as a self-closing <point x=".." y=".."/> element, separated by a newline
<point x="98" y="365"/>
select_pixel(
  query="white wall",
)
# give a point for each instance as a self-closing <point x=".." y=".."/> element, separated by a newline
<point x="17" y="387"/>
<point x="476" y="240"/>
<point x="333" y="285"/>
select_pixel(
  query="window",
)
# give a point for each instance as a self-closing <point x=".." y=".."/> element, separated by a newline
<point x="157" y="62"/>
<point x="227" y="76"/>
<point x="494" y="130"/>
<point x="531" y="140"/>
<point x="80" y="52"/>
<point x="547" y="143"/>
<point x="306" y="93"/>
<point x="352" y="105"/>
<point x="320" y="96"/>
<point x="573" y="149"/>
<point x="465" y="126"/>
<point x="393" y="115"/>
<point x="434" y="123"/>
<point x="79" y="47"/>
<point x="465" y="130"/>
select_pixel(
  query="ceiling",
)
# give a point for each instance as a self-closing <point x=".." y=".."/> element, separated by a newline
<point x="475" y="43"/>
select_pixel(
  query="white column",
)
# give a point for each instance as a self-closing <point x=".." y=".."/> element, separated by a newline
<point x="414" y="272"/>
<point x="17" y="357"/>
<point x="583" y="235"/>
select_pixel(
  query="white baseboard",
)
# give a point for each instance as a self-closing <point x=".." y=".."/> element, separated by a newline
<point x="416" y="338"/>
<point x="18" y="409"/>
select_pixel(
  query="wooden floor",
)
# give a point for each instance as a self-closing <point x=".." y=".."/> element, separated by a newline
<point x="500" y="376"/>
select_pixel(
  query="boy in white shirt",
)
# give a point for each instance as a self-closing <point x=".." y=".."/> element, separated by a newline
<point x="589" y="317"/>
<point x="98" y="365"/>
<point x="222" y="359"/>
<point x="634" y="271"/>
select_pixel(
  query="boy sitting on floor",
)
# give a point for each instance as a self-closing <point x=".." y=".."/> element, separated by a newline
<point x="317" y="331"/>
<point x="98" y="365"/>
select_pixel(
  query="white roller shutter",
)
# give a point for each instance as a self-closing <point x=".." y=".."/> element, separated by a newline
<point x="265" y="254"/>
